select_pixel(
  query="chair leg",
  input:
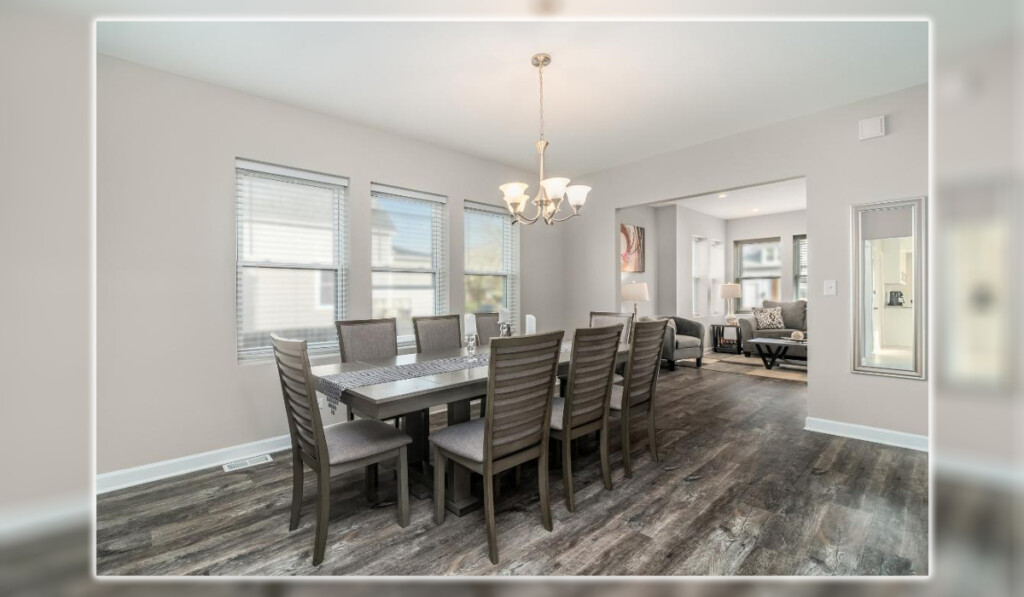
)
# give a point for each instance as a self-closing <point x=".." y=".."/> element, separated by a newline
<point x="652" y="436"/>
<point x="440" y="464"/>
<point x="671" y="365"/>
<point x="492" y="532"/>
<point x="403" y="487"/>
<point x="519" y="475"/>
<point x="699" y="361"/>
<point x="542" y="482"/>
<point x="323" y="514"/>
<point x="627" y="462"/>
<point x="371" y="483"/>
<point x="606" y="469"/>
<point x="351" y="415"/>
<point x="570" y="501"/>
<point x="297" y="479"/>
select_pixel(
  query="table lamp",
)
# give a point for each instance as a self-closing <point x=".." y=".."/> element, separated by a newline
<point x="635" y="292"/>
<point x="730" y="292"/>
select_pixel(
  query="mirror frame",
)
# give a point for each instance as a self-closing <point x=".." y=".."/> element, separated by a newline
<point x="920" y="221"/>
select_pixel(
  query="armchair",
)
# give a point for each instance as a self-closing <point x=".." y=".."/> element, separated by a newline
<point x="684" y="341"/>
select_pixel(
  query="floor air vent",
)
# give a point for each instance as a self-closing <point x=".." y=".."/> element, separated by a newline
<point x="240" y="464"/>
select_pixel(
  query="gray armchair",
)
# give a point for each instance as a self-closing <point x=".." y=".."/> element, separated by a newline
<point x="685" y="341"/>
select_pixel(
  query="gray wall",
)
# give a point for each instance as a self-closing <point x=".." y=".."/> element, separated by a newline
<point x="168" y="381"/>
<point x="644" y="217"/>
<point x="665" y="230"/>
<point x="783" y="225"/>
<point x="841" y="171"/>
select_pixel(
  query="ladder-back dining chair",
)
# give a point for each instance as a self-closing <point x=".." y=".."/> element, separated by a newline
<point x="636" y="395"/>
<point x="333" y="450"/>
<point x="361" y="339"/>
<point x="441" y="332"/>
<point x="520" y="386"/>
<point x="605" y="318"/>
<point x="584" y="409"/>
<point x="486" y="327"/>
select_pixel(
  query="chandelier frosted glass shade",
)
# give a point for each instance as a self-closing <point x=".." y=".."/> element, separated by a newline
<point x="512" y="189"/>
<point x="554" y="188"/>
<point x="577" y="195"/>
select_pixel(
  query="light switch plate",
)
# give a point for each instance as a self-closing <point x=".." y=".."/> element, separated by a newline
<point x="830" y="287"/>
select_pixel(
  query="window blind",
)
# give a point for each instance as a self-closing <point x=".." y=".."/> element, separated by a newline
<point x="290" y="256"/>
<point x="408" y="256"/>
<point x="491" y="260"/>
<point x="800" y="267"/>
<point x="758" y="271"/>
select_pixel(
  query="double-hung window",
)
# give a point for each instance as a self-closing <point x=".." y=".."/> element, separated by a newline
<point x="800" y="267"/>
<point x="290" y="256"/>
<point x="708" y="273"/>
<point x="408" y="256"/>
<point x="758" y="271"/>
<point x="492" y="260"/>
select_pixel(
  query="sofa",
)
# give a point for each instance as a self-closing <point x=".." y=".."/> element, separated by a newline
<point x="794" y="318"/>
<point x="684" y="339"/>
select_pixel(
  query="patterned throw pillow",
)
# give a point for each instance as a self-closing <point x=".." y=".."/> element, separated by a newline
<point x="768" y="318"/>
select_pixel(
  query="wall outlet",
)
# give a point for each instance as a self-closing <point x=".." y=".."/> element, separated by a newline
<point x="830" y="287"/>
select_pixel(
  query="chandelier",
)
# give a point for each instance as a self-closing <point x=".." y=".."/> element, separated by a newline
<point x="551" y="191"/>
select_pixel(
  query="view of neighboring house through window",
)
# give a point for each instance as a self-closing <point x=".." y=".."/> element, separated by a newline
<point x="290" y="256"/>
<point x="758" y="271"/>
<point x="708" y="273"/>
<point x="800" y="267"/>
<point x="407" y="256"/>
<point x="492" y="260"/>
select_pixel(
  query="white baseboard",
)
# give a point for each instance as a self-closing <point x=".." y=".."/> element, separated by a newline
<point x="24" y="522"/>
<point x="870" y="434"/>
<point x="146" y="473"/>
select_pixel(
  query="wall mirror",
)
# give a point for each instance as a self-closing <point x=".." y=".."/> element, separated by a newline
<point x="889" y="250"/>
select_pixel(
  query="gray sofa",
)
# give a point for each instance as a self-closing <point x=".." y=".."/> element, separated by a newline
<point x="794" y="317"/>
<point x="686" y="341"/>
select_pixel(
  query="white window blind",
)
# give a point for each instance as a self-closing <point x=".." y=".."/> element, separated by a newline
<point x="290" y="256"/>
<point x="708" y="272"/>
<point x="758" y="271"/>
<point x="408" y="256"/>
<point x="800" y="267"/>
<point x="492" y="260"/>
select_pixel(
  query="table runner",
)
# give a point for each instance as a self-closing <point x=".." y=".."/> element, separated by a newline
<point x="333" y="386"/>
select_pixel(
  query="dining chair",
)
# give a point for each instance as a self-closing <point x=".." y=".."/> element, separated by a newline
<point x="520" y="386"/>
<point x="584" y="408"/>
<point x="604" y="318"/>
<point x="440" y="332"/>
<point x="332" y="450"/>
<point x="360" y="339"/>
<point x="486" y="327"/>
<point x="637" y="393"/>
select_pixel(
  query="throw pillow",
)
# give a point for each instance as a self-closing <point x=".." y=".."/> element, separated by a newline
<point x="768" y="318"/>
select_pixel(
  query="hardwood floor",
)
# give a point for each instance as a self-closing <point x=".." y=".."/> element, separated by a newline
<point x="741" y="489"/>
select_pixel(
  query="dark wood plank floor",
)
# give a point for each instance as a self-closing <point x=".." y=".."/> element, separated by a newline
<point x="741" y="489"/>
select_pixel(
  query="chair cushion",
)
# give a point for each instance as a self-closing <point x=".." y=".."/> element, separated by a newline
<point x="616" y="398"/>
<point x="687" y="342"/>
<point x="794" y="314"/>
<point x="465" y="439"/>
<point x="557" y="411"/>
<point x="362" y="438"/>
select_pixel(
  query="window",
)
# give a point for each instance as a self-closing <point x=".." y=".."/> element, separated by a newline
<point x="758" y="271"/>
<point x="492" y="260"/>
<point x="800" y="267"/>
<point x="708" y="273"/>
<point x="407" y="256"/>
<point x="290" y="256"/>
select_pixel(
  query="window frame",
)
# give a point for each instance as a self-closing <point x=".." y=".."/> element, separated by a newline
<point x="439" y="247"/>
<point x="797" y="277"/>
<point x="511" y="259"/>
<point x="738" y="276"/>
<point x="339" y="226"/>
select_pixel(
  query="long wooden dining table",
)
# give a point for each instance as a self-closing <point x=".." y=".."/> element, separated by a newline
<point x="412" y="398"/>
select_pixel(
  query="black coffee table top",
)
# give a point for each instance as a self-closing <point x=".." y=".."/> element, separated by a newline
<point x="779" y="341"/>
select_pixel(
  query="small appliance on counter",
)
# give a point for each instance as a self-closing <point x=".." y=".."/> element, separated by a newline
<point x="896" y="298"/>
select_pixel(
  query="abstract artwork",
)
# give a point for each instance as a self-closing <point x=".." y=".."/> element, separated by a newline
<point x="631" y="241"/>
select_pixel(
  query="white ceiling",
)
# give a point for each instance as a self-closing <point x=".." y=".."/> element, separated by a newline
<point x="760" y="200"/>
<point x="616" y="92"/>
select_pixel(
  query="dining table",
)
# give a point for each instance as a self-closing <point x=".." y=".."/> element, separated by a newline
<point x="412" y="398"/>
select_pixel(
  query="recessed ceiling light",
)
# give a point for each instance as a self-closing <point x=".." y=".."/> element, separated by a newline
<point x="755" y="210"/>
<point x="722" y="195"/>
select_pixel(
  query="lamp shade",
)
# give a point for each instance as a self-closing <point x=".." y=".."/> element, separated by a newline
<point x="729" y="291"/>
<point x="577" y="195"/>
<point x="554" y="187"/>
<point x="511" y="189"/>
<point x="636" y="292"/>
